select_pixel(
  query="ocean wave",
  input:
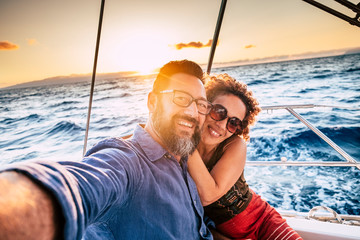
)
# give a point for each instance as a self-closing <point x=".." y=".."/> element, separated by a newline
<point x="105" y="128"/>
<point x="275" y="74"/>
<point x="115" y="96"/>
<point x="305" y="145"/>
<point x="112" y="86"/>
<point x="340" y="133"/>
<point x="16" y="144"/>
<point x="29" y="118"/>
<point x="353" y="69"/>
<point x="69" y="111"/>
<point x="5" y="100"/>
<point x="134" y="121"/>
<point x="257" y="82"/>
<point x="273" y="80"/>
<point x="350" y="100"/>
<point x="64" y="127"/>
<point x="322" y="76"/>
<point x="4" y="109"/>
<point x="22" y="139"/>
<point x="27" y="156"/>
<point x="307" y="90"/>
<point x="64" y="103"/>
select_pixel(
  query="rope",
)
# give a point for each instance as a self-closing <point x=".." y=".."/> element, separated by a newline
<point x="313" y="210"/>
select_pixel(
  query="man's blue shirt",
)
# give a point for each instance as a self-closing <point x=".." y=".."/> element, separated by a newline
<point x="132" y="189"/>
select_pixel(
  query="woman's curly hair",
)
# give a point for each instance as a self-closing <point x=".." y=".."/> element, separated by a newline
<point x="223" y="84"/>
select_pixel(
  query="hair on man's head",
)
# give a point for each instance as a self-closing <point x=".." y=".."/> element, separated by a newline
<point x="173" y="67"/>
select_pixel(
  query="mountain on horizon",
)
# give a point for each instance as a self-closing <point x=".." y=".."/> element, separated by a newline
<point x="73" y="78"/>
<point x="281" y="58"/>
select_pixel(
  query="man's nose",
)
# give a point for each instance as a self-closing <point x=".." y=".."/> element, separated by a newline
<point x="192" y="110"/>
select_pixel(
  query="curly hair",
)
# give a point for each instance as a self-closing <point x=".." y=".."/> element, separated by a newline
<point x="223" y="84"/>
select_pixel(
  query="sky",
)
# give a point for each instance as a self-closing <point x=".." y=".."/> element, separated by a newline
<point x="46" y="38"/>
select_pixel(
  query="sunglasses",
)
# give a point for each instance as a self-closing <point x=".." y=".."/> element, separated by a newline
<point x="219" y="113"/>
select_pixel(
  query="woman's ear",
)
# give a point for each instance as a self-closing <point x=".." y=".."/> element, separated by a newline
<point x="152" y="101"/>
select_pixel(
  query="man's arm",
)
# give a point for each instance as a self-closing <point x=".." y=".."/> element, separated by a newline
<point x="27" y="210"/>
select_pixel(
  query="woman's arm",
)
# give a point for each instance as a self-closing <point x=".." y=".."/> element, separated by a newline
<point x="211" y="186"/>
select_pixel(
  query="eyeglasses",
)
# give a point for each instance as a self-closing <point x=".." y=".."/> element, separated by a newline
<point x="184" y="99"/>
<point x="219" y="113"/>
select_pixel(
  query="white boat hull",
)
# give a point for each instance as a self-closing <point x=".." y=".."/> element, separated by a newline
<point x="314" y="229"/>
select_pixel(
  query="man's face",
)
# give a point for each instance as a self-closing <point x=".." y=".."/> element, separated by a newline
<point x="179" y="127"/>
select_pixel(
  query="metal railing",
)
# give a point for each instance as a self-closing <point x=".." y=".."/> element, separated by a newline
<point x="355" y="20"/>
<point x="351" y="162"/>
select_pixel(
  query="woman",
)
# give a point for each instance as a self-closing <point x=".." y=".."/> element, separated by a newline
<point x="217" y="166"/>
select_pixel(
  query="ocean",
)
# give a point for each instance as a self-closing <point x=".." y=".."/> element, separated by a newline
<point x="49" y="123"/>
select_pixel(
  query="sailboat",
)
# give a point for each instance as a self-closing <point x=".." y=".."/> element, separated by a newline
<point x="321" y="222"/>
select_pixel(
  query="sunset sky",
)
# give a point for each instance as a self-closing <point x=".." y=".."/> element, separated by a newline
<point x="47" y="38"/>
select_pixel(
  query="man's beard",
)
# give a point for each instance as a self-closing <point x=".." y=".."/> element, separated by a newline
<point x="177" y="145"/>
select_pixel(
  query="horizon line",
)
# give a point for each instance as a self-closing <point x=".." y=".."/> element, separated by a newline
<point x="240" y="62"/>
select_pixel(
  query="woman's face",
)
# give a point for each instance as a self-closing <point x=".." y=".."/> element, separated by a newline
<point x="214" y="132"/>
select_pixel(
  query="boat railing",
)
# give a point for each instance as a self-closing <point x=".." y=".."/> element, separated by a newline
<point x="353" y="20"/>
<point x="351" y="162"/>
<point x="324" y="214"/>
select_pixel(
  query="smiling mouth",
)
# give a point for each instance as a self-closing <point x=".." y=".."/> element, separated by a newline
<point x="185" y="124"/>
<point x="213" y="132"/>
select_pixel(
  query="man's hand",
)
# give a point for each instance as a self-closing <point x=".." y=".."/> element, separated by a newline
<point x="27" y="211"/>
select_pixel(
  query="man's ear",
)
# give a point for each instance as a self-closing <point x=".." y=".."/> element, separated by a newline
<point x="152" y="101"/>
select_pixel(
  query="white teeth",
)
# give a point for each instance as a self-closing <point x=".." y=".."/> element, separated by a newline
<point x="214" y="133"/>
<point x="185" y="124"/>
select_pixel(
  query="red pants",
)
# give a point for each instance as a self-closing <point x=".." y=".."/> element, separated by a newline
<point x="258" y="221"/>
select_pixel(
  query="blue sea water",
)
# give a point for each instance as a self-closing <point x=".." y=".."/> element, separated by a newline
<point x="49" y="123"/>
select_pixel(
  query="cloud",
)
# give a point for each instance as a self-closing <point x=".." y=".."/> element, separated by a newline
<point x="250" y="46"/>
<point x="6" y="45"/>
<point x="32" y="41"/>
<point x="193" y="45"/>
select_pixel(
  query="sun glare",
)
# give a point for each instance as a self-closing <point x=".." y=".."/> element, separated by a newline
<point x="147" y="70"/>
<point x="142" y="52"/>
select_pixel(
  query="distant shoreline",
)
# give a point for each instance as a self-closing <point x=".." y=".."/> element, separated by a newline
<point x="75" y="78"/>
<point x="284" y="58"/>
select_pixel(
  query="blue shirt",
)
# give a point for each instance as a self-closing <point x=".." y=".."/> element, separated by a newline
<point x="130" y="189"/>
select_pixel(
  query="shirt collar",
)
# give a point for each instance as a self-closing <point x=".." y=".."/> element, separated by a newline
<point x="151" y="148"/>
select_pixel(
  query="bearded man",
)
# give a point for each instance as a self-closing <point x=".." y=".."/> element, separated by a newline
<point x="138" y="188"/>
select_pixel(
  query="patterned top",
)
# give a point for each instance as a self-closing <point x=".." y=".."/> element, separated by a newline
<point x="235" y="200"/>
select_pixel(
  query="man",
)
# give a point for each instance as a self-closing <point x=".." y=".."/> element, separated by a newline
<point x="123" y="189"/>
